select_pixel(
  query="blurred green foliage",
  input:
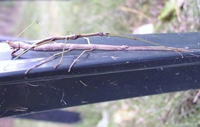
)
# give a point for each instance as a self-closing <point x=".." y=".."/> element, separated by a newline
<point x="168" y="12"/>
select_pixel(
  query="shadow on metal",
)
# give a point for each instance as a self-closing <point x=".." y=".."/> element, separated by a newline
<point x="58" y="116"/>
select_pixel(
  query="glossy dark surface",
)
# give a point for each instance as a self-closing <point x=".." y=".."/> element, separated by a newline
<point x="98" y="76"/>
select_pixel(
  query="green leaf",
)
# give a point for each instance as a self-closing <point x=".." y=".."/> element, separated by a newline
<point x="168" y="12"/>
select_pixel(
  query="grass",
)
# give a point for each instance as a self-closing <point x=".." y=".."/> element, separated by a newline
<point x="82" y="16"/>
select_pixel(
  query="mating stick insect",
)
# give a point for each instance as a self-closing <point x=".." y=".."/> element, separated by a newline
<point x="43" y="45"/>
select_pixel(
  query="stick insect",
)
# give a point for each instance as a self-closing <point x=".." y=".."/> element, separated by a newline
<point x="43" y="45"/>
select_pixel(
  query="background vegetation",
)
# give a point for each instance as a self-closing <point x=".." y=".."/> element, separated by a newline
<point x="116" y="16"/>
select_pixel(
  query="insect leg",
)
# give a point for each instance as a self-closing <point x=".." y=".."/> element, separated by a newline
<point x="77" y="59"/>
<point x="62" y="55"/>
<point x="46" y="60"/>
<point x="88" y="41"/>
